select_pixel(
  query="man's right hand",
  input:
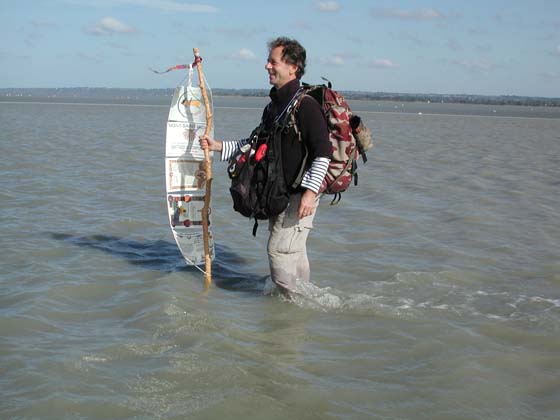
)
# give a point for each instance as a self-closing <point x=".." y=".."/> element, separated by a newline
<point x="210" y="143"/>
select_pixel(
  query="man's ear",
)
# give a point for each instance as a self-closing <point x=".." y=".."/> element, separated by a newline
<point x="293" y="69"/>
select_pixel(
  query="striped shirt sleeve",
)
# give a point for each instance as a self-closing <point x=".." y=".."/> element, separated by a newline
<point x="314" y="176"/>
<point x="229" y="148"/>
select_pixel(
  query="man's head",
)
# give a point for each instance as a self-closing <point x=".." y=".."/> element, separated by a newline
<point x="286" y="61"/>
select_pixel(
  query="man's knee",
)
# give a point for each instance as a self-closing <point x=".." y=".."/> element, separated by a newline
<point x="288" y="241"/>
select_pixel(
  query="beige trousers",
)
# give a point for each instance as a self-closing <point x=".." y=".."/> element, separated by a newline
<point x="287" y="249"/>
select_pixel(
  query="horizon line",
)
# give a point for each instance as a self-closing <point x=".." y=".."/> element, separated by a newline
<point x="265" y="90"/>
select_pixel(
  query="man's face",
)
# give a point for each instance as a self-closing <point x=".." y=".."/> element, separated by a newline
<point x="279" y="72"/>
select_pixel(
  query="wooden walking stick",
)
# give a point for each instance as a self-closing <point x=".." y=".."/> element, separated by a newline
<point x="208" y="169"/>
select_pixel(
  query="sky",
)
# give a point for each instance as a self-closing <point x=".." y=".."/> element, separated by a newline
<point x="484" y="47"/>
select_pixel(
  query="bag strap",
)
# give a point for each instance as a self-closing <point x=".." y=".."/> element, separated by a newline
<point x="301" y="172"/>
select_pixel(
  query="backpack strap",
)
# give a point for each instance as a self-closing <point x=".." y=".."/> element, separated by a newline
<point x="301" y="172"/>
<point x="297" y="102"/>
<point x="289" y="115"/>
<point x="336" y="198"/>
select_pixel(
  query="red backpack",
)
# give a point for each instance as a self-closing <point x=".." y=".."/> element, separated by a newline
<point x="349" y="139"/>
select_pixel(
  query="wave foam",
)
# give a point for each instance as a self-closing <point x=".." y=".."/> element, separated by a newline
<point x="415" y="294"/>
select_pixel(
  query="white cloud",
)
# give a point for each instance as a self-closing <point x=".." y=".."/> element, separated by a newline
<point x="454" y="45"/>
<point x="301" y="25"/>
<point x="327" y="6"/>
<point x="479" y="64"/>
<point x="244" y="54"/>
<point x="420" y="15"/>
<point x="383" y="63"/>
<point x="118" y="46"/>
<point x="108" y="26"/>
<point x="333" y="60"/>
<point x="416" y="40"/>
<point x="239" y="33"/>
<point x="8" y="55"/>
<point x="507" y="18"/>
<point x="550" y="75"/>
<point x="164" y="5"/>
<point x="172" y="6"/>
<point x="89" y="57"/>
<point x="44" y="24"/>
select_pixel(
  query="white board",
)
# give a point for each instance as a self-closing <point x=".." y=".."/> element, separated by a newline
<point x="185" y="172"/>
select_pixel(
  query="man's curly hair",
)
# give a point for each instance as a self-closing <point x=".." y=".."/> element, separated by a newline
<point x="293" y="53"/>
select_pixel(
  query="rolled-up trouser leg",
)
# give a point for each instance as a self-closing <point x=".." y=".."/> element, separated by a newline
<point x="287" y="251"/>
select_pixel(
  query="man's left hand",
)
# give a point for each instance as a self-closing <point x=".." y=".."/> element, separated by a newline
<point x="307" y="204"/>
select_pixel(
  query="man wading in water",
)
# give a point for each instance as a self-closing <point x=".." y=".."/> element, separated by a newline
<point x="287" y="252"/>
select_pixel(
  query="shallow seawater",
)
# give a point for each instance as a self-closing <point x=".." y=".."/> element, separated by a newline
<point x="435" y="287"/>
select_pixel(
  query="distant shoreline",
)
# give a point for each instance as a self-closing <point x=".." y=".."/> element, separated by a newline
<point x="163" y="95"/>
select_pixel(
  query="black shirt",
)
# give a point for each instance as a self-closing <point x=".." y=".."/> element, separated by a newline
<point x="311" y="123"/>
